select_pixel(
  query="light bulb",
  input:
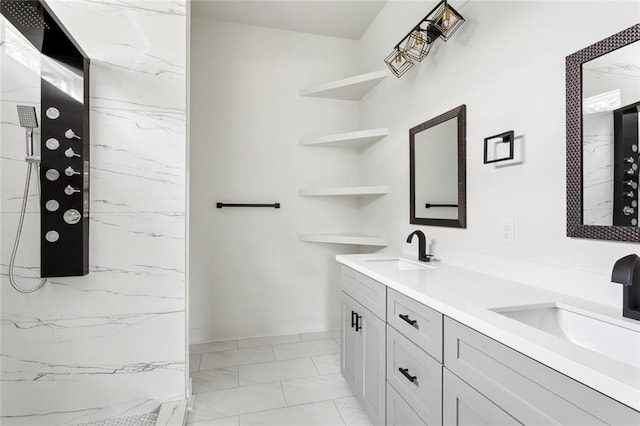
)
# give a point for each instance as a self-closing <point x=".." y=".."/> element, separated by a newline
<point x="446" y="17"/>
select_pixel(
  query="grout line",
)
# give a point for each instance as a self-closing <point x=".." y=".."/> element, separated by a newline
<point x="316" y="365"/>
<point x="284" y="394"/>
<point x="339" y="412"/>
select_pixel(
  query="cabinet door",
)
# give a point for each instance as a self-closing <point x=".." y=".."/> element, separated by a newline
<point x="462" y="405"/>
<point x="399" y="413"/>
<point x="371" y="336"/>
<point x="362" y="358"/>
<point x="528" y="390"/>
<point x="349" y="363"/>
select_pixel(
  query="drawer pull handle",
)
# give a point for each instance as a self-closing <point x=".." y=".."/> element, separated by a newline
<point x="405" y="373"/>
<point x="406" y="319"/>
<point x="358" y="318"/>
<point x="353" y="319"/>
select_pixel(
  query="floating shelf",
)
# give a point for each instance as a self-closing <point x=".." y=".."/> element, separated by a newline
<point x="350" y="89"/>
<point x="354" y="239"/>
<point x="344" y="191"/>
<point x="347" y="140"/>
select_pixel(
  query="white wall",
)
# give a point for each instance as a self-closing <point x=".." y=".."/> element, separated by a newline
<point x="507" y="64"/>
<point x="111" y="343"/>
<point x="250" y="275"/>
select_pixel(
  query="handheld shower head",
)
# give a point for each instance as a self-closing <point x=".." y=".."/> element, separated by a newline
<point x="27" y="117"/>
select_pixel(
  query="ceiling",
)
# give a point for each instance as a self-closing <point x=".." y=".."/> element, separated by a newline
<point x="345" y="19"/>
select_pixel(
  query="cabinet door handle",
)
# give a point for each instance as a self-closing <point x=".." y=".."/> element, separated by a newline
<point x="354" y="321"/>
<point x="358" y="318"/>
<point x="405" y="373"/>
<point x="406" y="318"/>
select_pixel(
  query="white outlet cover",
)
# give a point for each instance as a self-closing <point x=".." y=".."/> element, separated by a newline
<point x="506" y="230"/>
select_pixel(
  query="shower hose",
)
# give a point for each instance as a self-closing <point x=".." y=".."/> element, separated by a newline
<point x="19" y="233"/>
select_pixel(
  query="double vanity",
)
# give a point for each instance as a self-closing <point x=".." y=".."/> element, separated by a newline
<point x="430" y="343"/>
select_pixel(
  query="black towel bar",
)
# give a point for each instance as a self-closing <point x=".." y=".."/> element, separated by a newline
<point x="221" y="205"/>
<point x="429" y="205"/>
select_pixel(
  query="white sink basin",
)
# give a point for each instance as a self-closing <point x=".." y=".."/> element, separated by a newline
<point x="609" y="336"/>
<point x="398" y="263"/>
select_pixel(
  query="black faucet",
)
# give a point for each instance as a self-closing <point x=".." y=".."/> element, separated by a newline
<point x="422" y="246"/>
<point x="626" y="271"/>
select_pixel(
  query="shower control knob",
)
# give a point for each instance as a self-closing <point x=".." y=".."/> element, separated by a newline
<point x="628" y="211"/>
<point x="52" y="236"/>
<point x="72" y="216"/>
<point x="630" y="171"/>
<point x="70" y="190"/>
<point x="70" y="134"/>
<point x="70" y="171"/>
<point x="634" y="203"/>
<point x="70" y="153"/>
<point x="52" y="205"/>
<point x="629" y="160"/>
<point x="52" y="144"/>
<point x="631" y="183"/>
<point x="52" y="174"/>
<point x="629" y="194"/>
<point x="52" y="113"/>
<point x="634" y="222"/>
<point x="634" y="147"/>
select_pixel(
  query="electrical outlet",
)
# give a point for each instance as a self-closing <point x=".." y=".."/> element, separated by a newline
<point x="505" y="230"/>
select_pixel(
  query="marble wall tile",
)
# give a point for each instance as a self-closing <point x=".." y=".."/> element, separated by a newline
<point x="111" y="343"/>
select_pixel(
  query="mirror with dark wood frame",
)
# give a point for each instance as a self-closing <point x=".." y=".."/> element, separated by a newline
<point x="437" y="158"/>
<point x="603" y="98"/>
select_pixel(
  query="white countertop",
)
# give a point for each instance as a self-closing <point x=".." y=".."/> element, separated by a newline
<point x="467" y="296"/>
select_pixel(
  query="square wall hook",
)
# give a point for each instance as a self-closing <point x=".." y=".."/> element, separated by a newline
<point x="500" y="151"/>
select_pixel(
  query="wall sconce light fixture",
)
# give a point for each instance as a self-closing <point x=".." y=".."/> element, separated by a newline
<point x="441" y="22"/>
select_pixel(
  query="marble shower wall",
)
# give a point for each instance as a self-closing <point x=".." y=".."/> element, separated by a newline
<point x="113" y="342"/>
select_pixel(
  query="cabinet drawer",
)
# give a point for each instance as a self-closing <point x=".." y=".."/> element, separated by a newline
<point x="529" y="391"/>
<point x="399" y="413"/>
<point x="369" y="293"/>
<point x="418" y="322"/>
<point x="420" y="382"/>
<point x="464" y="406"/>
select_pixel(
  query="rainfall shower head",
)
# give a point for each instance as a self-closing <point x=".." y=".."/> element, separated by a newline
<point x="27" y="116"/>
<point x="24" y="13"/>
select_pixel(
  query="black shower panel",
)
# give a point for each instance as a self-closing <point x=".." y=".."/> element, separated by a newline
<point x="64" y="141"/>
<point x="64" y="174"/>
<point x="626" y="168"/>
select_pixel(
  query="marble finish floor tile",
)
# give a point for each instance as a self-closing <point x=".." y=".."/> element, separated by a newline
<point x="351" y="412"/>
<point x="268" y="341"/>
<point x="226" y="345"/>
<point x="232" y="402"/>
<point x="194" y="362"/>
<point x="305" y="349"/>
<point x="215" y="379"/>
<point x="231" y="358"/>
<point x="317" y="414"/>
<point x="281" y="380"/>
<point x="276" y="371"/>
<point x="321" y="335"/>
<point x="321" y="388"/>
<point x="225" y="421"/>
<point x="327" y="364"/>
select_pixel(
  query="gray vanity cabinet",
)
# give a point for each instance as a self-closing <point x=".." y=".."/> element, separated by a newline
<point x="524" y="389"/>
<point x="464" y="406"/>
<point x="362" y="362"/>
<point x="439" y="371"/>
